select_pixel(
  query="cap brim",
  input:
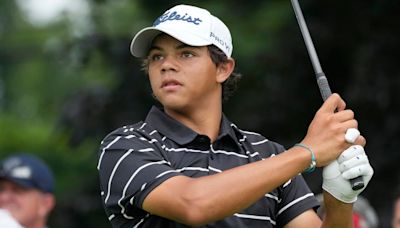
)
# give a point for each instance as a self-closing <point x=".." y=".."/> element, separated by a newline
<point x="20" y="182"/>
<point x="141" y="43"/>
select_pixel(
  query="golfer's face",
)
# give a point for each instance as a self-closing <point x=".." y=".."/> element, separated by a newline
<point x="182" y="76"/>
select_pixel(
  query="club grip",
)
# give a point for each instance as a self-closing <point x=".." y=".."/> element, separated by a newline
<point x="323" y="86"/>
<point x="358" y="182"/>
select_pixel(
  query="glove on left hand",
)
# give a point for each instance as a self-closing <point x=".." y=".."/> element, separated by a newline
<point x="353" y="162"/>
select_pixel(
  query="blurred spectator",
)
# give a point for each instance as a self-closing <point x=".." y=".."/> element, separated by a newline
<point x="364" y="215"/>
<point x="26" y="191"/>
<point x="396" y="213"/>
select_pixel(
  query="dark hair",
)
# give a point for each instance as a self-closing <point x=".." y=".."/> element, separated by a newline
<point x="230" y="84"/>
<point x="218" y="57"/>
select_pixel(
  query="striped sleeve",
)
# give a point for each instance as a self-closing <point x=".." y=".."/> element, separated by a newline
<point x="130" y="167"/>
<point x="295" y="197"/>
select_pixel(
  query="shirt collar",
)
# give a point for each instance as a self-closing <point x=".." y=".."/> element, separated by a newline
<point x="181" y="134"/>
<point x="170" y="127"/>
<point x="228" y="129"/>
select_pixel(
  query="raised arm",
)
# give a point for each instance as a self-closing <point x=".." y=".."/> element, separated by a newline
<point x="197" y="201"/>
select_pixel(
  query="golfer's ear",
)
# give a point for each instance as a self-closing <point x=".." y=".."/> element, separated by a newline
<point x="224" y="70"/>
<point x="48" y="203"/>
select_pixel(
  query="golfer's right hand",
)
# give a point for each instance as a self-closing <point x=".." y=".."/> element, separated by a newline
<point x="326" y="132"/>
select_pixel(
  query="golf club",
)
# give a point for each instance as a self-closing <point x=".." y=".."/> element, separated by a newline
<point x="356" y="183"/>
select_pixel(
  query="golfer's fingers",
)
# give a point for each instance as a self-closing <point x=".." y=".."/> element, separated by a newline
<point x="333" y="103"/>
<point x="344" y="115"/>
<point x="360" y="141"/>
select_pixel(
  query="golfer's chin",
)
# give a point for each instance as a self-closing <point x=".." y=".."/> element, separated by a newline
<point x="175" y="107"/>
<point x="173" y="101"/>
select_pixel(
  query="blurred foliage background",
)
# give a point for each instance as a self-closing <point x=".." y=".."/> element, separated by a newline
<point x="67" y="79"/>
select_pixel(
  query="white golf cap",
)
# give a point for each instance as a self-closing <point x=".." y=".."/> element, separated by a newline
<point x="189" y="24"/>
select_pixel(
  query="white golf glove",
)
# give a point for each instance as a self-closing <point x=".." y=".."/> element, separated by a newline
<point x="352" y="163"/>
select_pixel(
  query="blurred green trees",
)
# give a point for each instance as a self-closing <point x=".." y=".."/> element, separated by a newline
<point x="64" y="86"/>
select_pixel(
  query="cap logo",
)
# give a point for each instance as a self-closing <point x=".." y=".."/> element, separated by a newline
<point x="174" y="16"/>
<point x="22" y="172"/>
<point x="220" y="41"/>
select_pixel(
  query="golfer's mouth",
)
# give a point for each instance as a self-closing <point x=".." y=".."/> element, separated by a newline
<point x="170" y="84"/>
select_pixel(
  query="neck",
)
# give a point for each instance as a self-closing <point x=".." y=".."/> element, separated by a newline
<point x="204" y="120"/>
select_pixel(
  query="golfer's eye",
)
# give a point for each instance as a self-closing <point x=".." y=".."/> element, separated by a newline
<point x="187" y="54"/>
<point x="155" y="57"/>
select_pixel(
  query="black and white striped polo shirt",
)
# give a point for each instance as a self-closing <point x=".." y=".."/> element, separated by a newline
<point x="135" y="159"/>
